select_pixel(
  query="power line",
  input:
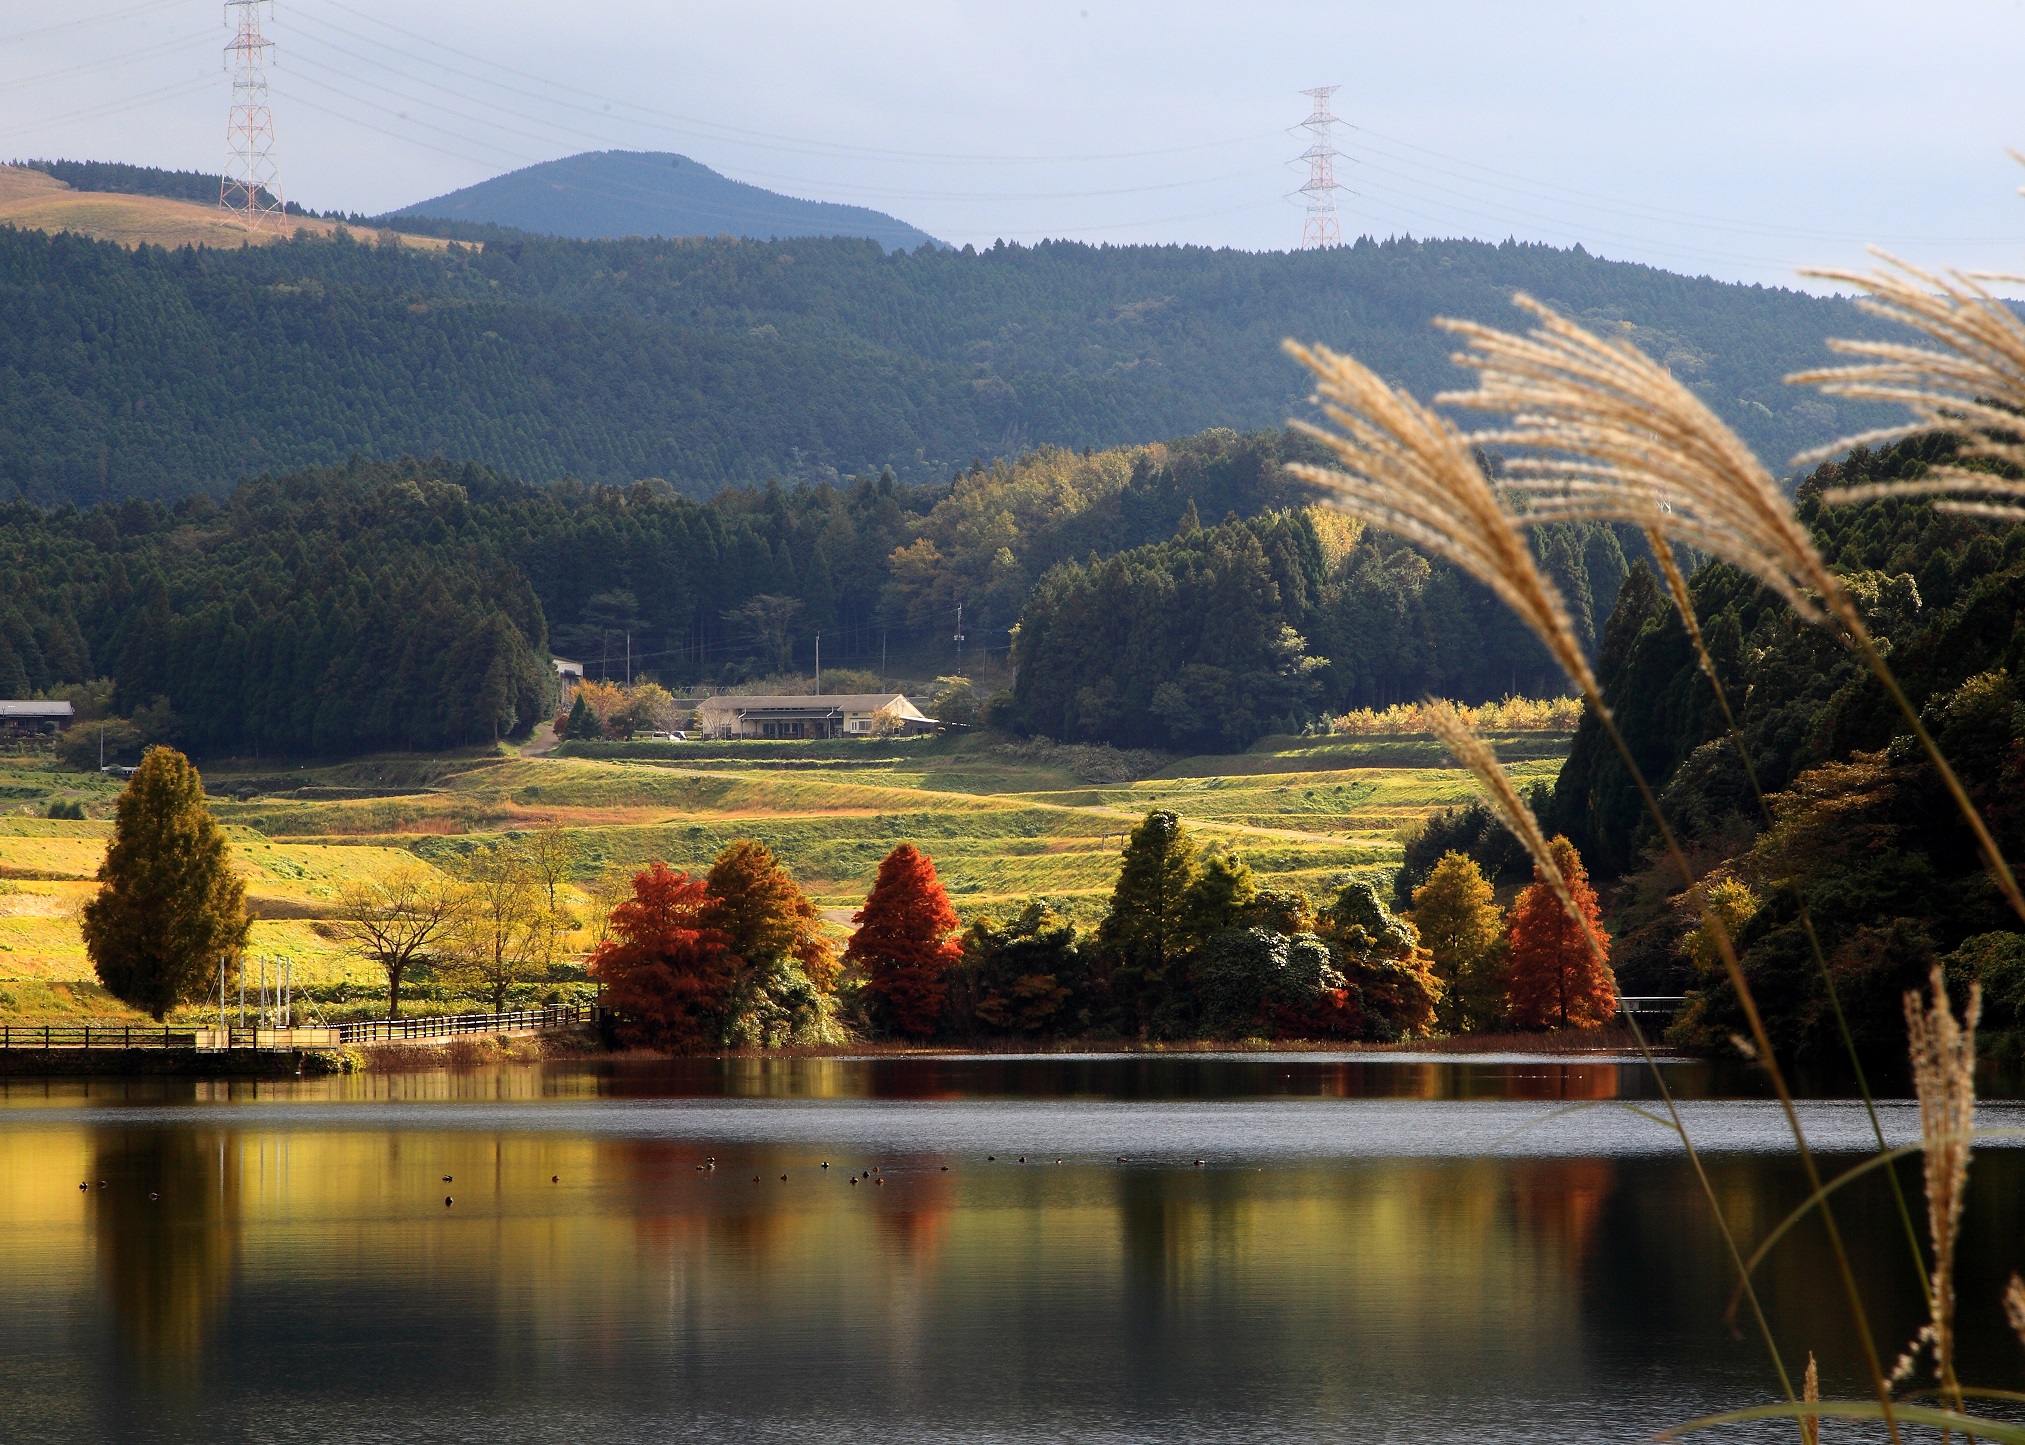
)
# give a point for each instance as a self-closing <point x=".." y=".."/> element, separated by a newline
<point x="113" y="62"/>
<point x="112" y="107"/>
<point x="620" y="188"/>
<point x="91" y="20"/>
<point x="739" y="135"/>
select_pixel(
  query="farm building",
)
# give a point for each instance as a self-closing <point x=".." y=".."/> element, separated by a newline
<point x="18" y="716"/>
<point x="815" y="715"/>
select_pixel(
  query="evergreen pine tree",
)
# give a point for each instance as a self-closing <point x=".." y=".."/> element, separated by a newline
<point x="1554" y="978"/>
<point x="169" y="909"/>
<point x="903" y="942"/>
<point x="1142" y="936"/>
<point x="1220" y="897"/>
<point x="582" y="723"/>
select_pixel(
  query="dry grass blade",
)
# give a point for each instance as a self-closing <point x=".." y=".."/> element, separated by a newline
<point x="1810" y="1393"/>
<point x="1406" y="470"/>
<point x="1684" y="604"/>
<point x="1612" y="436"/>
<point x="2014" y="1307"/>
<point x="1972" y="386"/>
<point x="1503" y="798"/>
<point x="1943" y="1053"/>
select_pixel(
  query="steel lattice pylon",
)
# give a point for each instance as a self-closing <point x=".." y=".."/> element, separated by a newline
<point x="1320" y="228"/>
<point x="251" y="189"/>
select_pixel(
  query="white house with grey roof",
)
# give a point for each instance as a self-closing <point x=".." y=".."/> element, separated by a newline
<point x="812" y="715"/>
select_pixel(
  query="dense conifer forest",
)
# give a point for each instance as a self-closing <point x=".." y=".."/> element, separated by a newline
<point x="708" y="363"/>
<point x="1861" y="832"/>
<point x="412" y="604"/>
<point x="1208" y="641"/>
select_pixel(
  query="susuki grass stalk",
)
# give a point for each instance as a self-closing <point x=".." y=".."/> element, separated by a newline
<point x="1406" y="470"/>
<point x="1610" y="435"/>
<point x="1944" y="1076"/>
<point x="1972" y="384"/>
<point x="1676" y="583"/>
<point x="1505" y="802"/>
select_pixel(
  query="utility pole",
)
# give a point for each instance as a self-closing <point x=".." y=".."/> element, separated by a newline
<point x="819" y="664"/>
<point x="959" y="639"/>
<point x="1320" y="228"/>
<point x="629" y="659"/>
<point x="882" y="657"/>
<point x="251" y="189"/>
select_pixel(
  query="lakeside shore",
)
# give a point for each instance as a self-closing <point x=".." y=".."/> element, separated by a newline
<point x="480" y="1050"/>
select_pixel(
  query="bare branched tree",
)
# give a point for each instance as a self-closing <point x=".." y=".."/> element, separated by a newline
<point x="399" y="921"/>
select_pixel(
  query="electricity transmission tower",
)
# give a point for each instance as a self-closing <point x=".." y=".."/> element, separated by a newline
<point x="251" y="189"/>
<point x="1320" y="228"/>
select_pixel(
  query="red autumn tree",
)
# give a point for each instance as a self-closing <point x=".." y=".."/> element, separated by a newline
<point x="903" y="942"/>
<point x="666" y="973"/>
<point x="1554" y="979"/>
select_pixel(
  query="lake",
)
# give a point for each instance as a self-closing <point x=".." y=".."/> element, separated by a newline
<point x="1197" y="1248"/>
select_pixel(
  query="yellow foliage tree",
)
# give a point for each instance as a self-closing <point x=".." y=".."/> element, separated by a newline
<point x="1462" y="926"/>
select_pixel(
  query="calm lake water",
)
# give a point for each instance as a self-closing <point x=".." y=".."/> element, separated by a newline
<point x="1103" y="1249"/>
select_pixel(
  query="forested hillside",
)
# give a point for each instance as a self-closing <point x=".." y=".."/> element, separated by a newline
<point x="1209" y="640"/>
<point x="155" y="374"/>
<point x="1863" y="832"/>
<point x="412" y="605"/>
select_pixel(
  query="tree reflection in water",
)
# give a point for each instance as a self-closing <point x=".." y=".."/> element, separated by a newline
<point x="167" y="1228"/>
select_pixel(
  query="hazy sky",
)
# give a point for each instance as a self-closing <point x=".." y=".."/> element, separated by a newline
<point x="1741" y="140"/>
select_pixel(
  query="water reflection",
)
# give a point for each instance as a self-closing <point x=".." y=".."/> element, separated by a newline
<point x="166" y="1219"/>
<point x="301" y="1266"/>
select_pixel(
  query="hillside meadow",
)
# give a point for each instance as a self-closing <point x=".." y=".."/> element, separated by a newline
<point x="31" y="200"/>
<point x="1005" y="822"/>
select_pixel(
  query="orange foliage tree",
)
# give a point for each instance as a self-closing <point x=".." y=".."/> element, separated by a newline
<point x="1554" y="979"/>
<point x="764" y="916"/>
<point x="667" y="973"/>
<point x="903" y="942"/>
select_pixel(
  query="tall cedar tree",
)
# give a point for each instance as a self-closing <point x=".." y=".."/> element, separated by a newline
<point x="667" y="974"/>
<point x="1461" y="925"/>
<point x="1553" y="978"/>
<point x="1144" y="933"/>
<point x="169" y="910"/>
<point x="763" y="914"/>
<point x="903" y="942"/>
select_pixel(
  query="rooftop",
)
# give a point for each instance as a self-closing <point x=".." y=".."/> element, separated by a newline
<point x="22" y="707"/>
<point x="844" y="701"/>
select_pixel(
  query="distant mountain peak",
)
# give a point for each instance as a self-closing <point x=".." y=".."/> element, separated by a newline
<point x="601" y="195"/>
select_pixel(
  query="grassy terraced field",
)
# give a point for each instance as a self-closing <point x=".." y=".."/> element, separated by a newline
<point x="1004" y="822"/>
